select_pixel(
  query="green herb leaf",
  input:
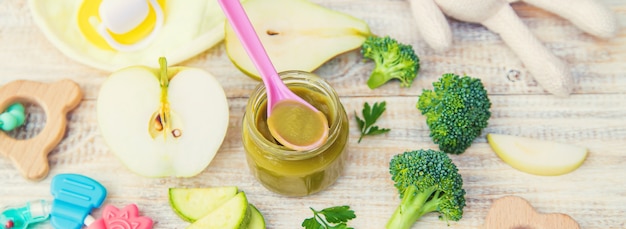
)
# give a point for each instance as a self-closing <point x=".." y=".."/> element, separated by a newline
<point x="330" y="218"/>
<point x="311" y="223"/>
<point x="340" y="226"/>
<point x="338" y="214"/>
<point x="370" y="115"/>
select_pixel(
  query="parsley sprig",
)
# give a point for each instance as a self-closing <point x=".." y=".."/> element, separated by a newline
<point x="370" y="115"/>
<point x="330" y="218"/>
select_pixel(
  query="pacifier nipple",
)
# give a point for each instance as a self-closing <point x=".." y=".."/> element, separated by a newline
<point x="122" y="16"/>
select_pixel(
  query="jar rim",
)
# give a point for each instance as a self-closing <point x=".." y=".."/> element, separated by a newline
<point x="294" y="77"/>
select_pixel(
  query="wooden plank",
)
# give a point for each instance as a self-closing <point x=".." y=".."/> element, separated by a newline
<point x="486" y="177"/>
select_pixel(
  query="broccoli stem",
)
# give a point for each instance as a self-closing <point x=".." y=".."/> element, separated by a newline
<point x="412" y="207"/>
<point x="377" y="78"/>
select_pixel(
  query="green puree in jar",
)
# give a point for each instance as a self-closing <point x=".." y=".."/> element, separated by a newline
<point x="299" y="173"/>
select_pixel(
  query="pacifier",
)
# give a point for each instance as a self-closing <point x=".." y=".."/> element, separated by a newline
<point x="75" y="197"/>
<point x="20" y="217"/>
<point x="123" y="25"/>
<point x="112" y="34"/>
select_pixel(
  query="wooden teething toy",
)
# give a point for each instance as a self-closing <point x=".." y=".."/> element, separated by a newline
<point x="30" y="156"/>
<point x="512" y="212"/>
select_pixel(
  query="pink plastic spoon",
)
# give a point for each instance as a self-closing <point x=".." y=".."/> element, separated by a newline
<point x="292" y="121"/>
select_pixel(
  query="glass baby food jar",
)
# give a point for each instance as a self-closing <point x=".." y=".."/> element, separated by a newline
<point x="289" y="172"/>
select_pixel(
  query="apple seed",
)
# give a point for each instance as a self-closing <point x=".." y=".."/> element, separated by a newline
<point x="157" y="123"/>
<point x="176" y="133"/>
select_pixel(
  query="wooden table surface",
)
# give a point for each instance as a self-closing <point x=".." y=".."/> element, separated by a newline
<point x="594" y="116"/>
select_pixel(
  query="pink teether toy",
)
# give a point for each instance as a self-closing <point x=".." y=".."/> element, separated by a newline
<point x="125" y="218"/>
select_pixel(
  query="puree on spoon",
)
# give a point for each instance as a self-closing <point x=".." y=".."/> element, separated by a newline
<point x="293" y="122"/>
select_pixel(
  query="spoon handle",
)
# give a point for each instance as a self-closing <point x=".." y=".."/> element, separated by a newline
<point x="243" y="28"/>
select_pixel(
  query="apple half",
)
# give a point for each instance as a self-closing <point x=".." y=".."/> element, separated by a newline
<point x="163" y="122"/>
<point x="296" y="34"/>
<point x="536" y="156"/>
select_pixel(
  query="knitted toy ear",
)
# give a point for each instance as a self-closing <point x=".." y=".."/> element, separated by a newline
<point x="547" y="69"/>
<point x="432" y="24"/>
<point x="588" y="15"/>
<point x="498" y="16"/>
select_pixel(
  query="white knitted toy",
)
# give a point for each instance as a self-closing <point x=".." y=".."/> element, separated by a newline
<point x="498" y="16"/>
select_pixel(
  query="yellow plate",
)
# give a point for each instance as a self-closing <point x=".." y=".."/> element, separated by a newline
<point x="190" y="27"/>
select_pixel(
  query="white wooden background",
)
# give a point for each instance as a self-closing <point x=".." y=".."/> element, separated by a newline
<point x="594" y="117"/>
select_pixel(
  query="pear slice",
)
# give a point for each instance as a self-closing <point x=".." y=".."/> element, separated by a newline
<point x="537" y="156"/>
<point x="296" y="34"/>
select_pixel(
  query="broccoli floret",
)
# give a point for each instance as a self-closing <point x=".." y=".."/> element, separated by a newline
<point x="456" y="111"/>
<point x="393" y="61"/>
<point x="428" y="181"/>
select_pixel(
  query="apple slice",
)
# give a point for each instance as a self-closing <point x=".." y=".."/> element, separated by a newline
<point x="163" y="122"/>
<point x="296" y="34"/>
<point x="537" y="156"/>
<point x="192" y="204"/>
<point x="234" y="214"/>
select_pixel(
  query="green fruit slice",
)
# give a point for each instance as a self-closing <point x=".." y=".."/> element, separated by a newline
<point x="192" y="204"/>
<point x="296" y="34"/>
<point x="256" y="218"/>
<point x="234" y="214"/>
<point x="535" y="156"/>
